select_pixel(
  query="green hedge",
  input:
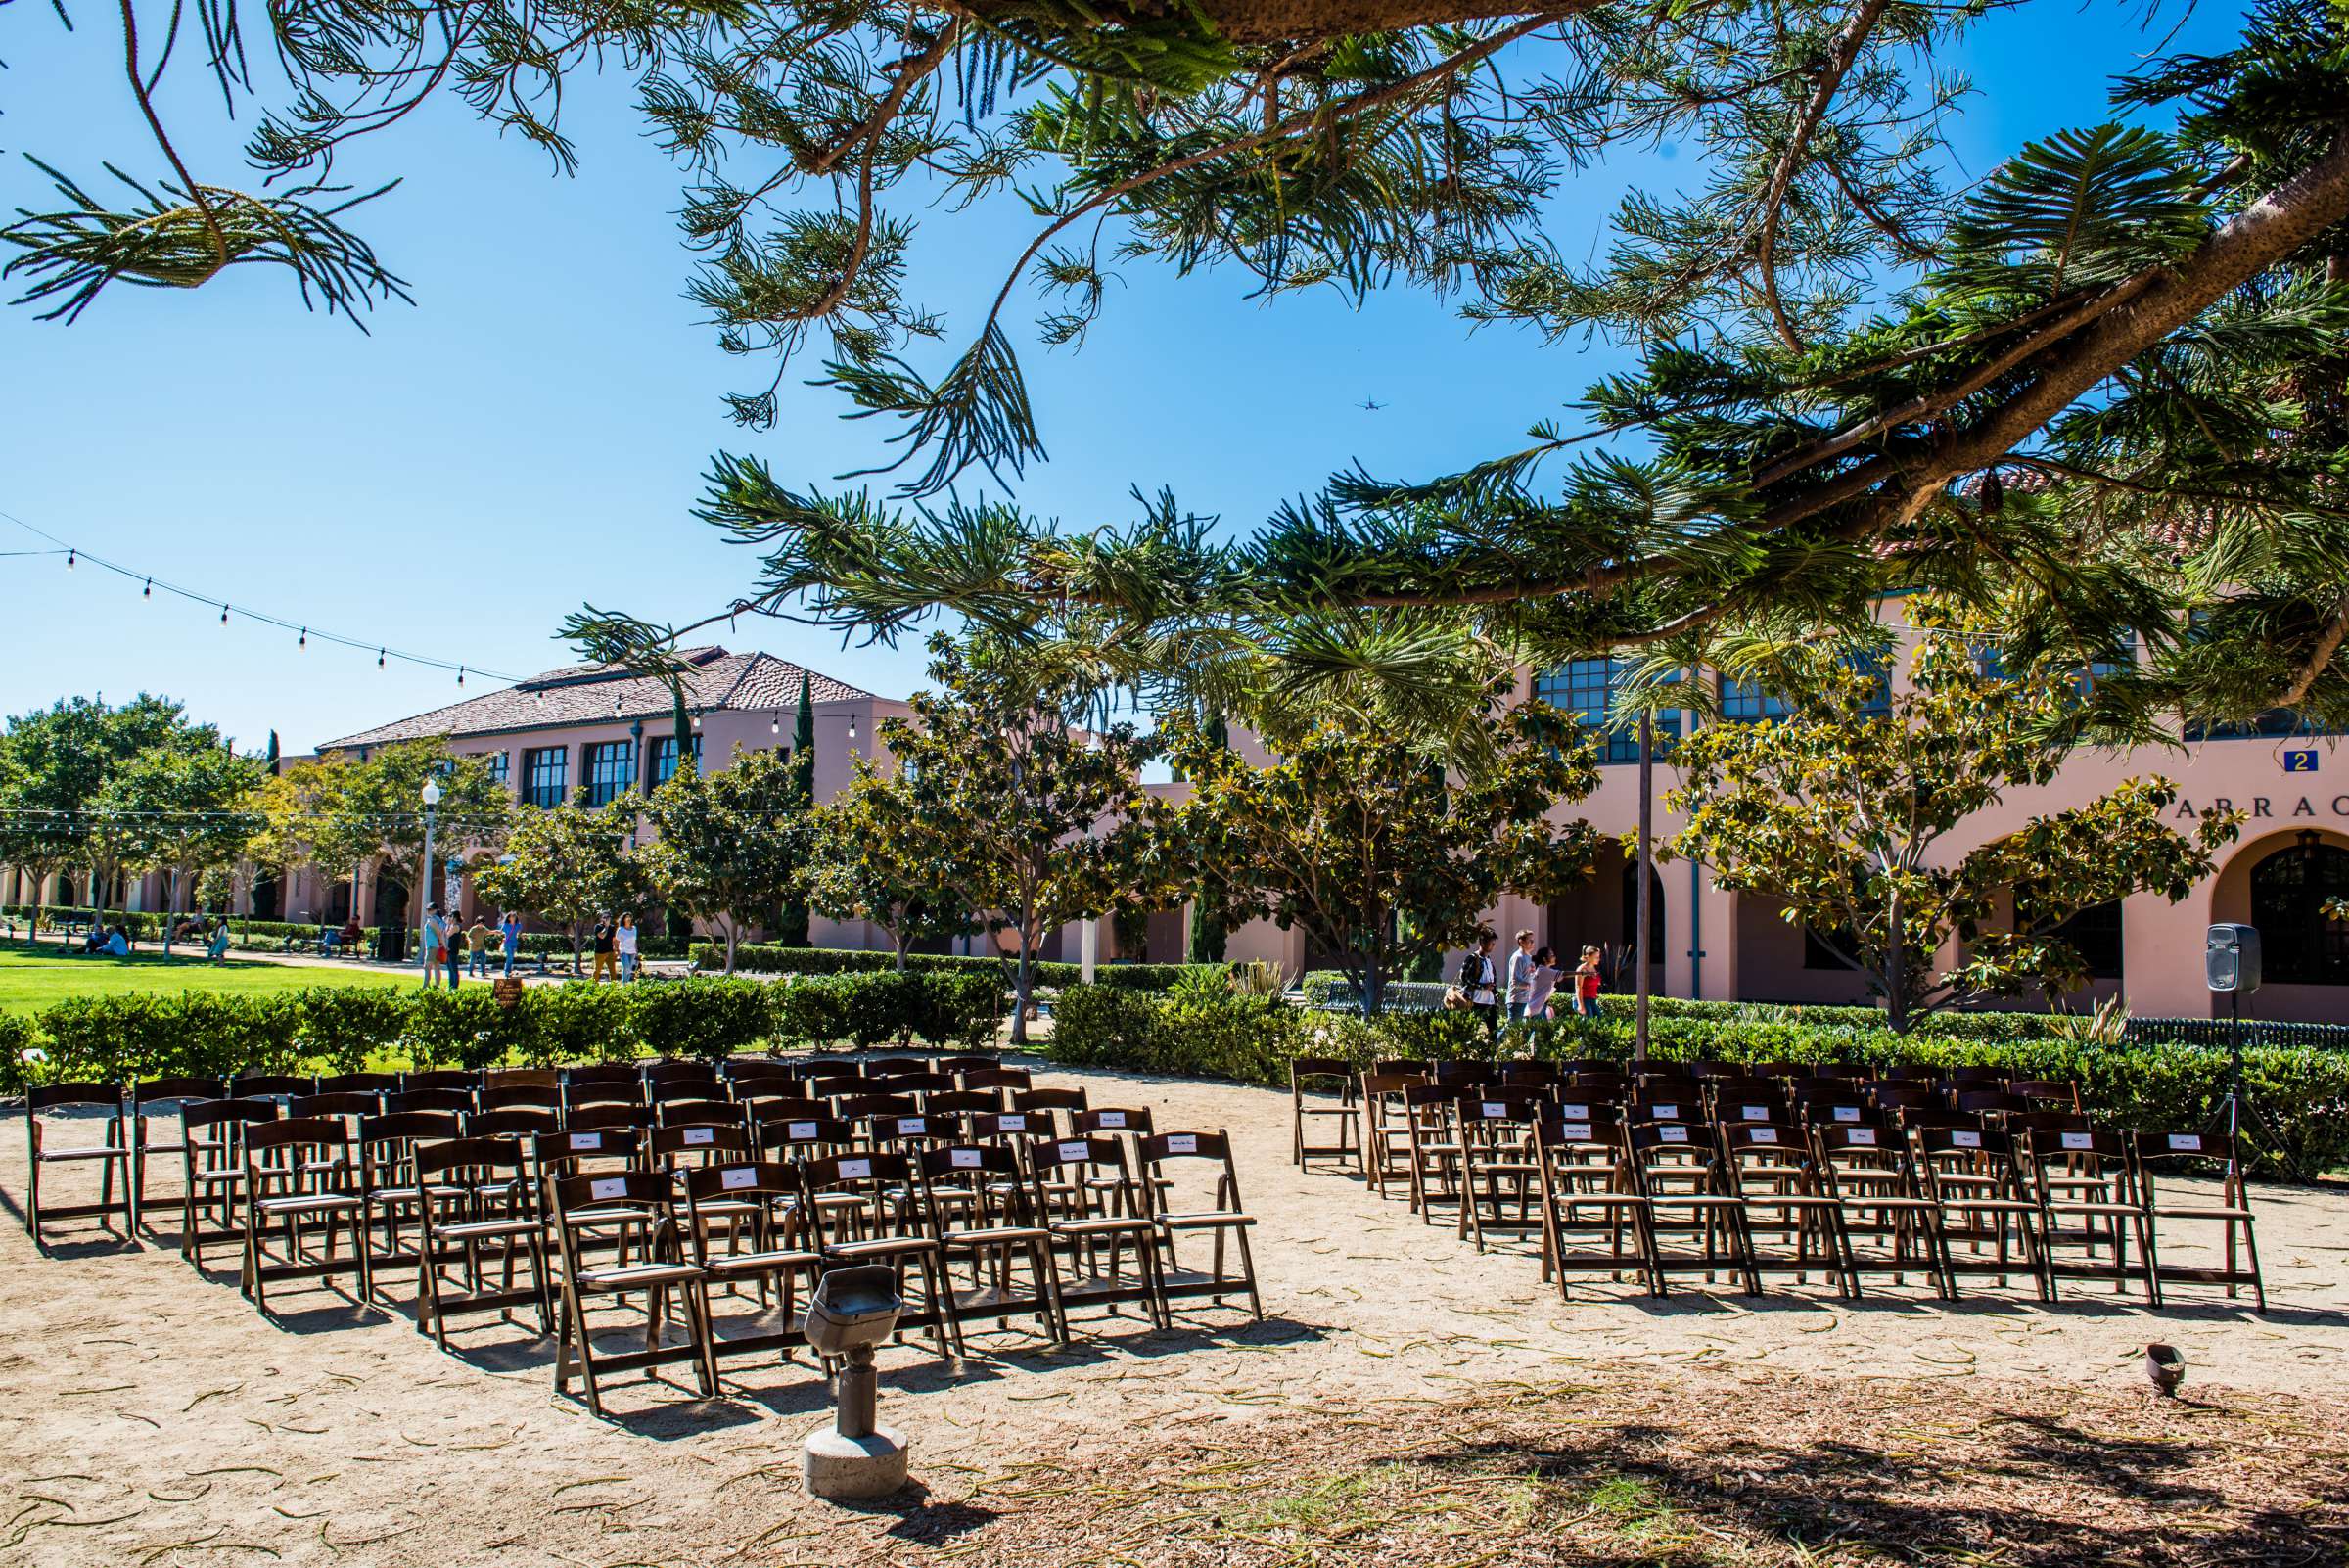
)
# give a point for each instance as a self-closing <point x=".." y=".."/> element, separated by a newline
<point x="342" y="1029"/>
<point x="761" y="958"/>
<point x="2302" y="1092"/>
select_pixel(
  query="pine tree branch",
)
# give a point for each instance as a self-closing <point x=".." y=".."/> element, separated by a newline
<point x="2329" y="644"/>
<point x="1840" y="55"/>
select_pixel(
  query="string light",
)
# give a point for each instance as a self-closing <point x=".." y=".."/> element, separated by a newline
<point x="148" y="583"/>
<point x="774" y="726"/>
<point x="852" y="726"/>
<point x="460" y="675"/>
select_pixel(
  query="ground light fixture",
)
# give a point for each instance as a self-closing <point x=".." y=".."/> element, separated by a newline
<point x="851" y="1311"/>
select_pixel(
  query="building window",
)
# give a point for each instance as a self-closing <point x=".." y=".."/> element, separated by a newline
<point x="2289" y="889"/>
<point x="608" y="767"/>
<point x="1818" y="954"/>
<point x="1743" y="701"/>
<point x="665" y="759"/>
<point x="1586" y="688"/>
<point x="545" y="775"/>
<point x="2094" y="933"/>
<point x="497" y="767"/>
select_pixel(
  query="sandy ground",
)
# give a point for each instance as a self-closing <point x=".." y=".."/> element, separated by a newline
<point x="154" y="1418"/>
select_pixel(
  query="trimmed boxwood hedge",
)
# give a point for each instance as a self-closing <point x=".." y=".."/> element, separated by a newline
<point x="2302" y="1092"/>
<point x="342" y="1029"/>
<point x="762" y="959"/>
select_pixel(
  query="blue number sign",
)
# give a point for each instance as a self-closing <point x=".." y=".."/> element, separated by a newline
<point x="2300" y="762"/>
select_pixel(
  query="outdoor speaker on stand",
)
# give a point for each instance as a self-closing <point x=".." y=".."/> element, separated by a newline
<point x="2230" y="968"/>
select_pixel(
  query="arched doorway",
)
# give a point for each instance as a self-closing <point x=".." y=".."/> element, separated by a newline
<point x="1629" y="894"/>
<point x="2289" y="889"/>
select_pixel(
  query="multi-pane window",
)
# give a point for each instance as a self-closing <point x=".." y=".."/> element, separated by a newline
<point x="1586" y="688"/>
<point x="607" y="766"/>
<point x="545" y="775"/>
<point x="1744" y="702"/>
<point x="2094" y="933"/>
<point x="497" y="765"/>
<point x="664" y="758"/>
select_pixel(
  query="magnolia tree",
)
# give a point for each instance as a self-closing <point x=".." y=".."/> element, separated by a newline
<point x="1373" y="847"/>
<point x="1846" y="818"/>
<point x="568" y="866"/>
<point x="197" y="811"/>
<point x="878" y="858"/>
<point x="1041" y="821"/>
<point x="731" y="847"/>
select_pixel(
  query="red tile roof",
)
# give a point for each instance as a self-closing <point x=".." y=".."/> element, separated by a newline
<point x="580" y="694"/>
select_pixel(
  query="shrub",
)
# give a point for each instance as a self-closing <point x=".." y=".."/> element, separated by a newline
<point x="157" y="1034"/>
<point x="16" y="1039"/>
<point x="758" y="958"/>
<point x="2302" y="1093"/>
<point x="345" y="1025"/>
<point x="706" y="1019"/>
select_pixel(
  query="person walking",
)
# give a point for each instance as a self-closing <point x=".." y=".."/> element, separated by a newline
<point x="624" y="940"/>
<point x="1587" y="983"/>
<point x="1521" y="976"/>
<point x="1478" y="978"/>
<point x="435" y="944"/>
<point x="1544" y="983"/>
<point x="509" y="931"/>
<point x="456" y="950"/>
<point x="477" y="947"/>
<point x="605" y="951"/>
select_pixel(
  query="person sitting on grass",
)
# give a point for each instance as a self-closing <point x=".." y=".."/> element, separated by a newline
<point x="116" y="944"/>
<point x="218" y="950"/>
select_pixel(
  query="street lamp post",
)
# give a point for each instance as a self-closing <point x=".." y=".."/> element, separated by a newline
<point x="424" y="897"/>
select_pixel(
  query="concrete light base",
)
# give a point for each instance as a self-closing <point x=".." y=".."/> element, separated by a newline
<point x="844" y="1467"/>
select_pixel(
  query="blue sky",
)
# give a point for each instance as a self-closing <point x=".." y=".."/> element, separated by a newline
<point x="533" y="432"/>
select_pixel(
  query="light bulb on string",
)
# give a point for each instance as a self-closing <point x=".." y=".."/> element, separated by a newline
<point x="460" y="675"/>
<point x="70" y="555"/>
<point x="224" y="614"/>
<point x="305" y="640"/>
<point x="852" y="726"/>
<point x="774" y="726"/>
<point x="378" y="658"/>
<point x="147" y="592"/>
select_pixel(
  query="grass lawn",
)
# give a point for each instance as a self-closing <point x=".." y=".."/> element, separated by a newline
<point x="33" y="978"/>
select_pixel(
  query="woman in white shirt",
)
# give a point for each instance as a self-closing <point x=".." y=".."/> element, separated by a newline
<point x="624" y="940"/>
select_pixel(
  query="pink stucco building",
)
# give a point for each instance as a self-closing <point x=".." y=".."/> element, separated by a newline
<point x="2293" y="853"/>
<point x="590" y="733"/>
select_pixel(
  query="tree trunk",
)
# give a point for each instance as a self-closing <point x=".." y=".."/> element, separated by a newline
<point x="574" y="950"/>
<point x="1648" y="871"/>
<point x="1896" y="970"/>
<point x="733" y="931"/>
<point x="1374" y="991"/>
<point x="1023" y="982"/>
<point x="898" y="943"/>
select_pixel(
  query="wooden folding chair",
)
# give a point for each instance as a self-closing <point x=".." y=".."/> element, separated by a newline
<point x="212" y="1154"/>
<point x="520" y="1088"/>
<point x="1868" y="1173"/>
<point x="885" y="1224"/>
<point x="982" y="1212"/>
<point x="299" y="1173"/>
<point x="2205" y="1155"/>
<point x="2082" y="1179"/>
<point x="1386" y="1129"/>
<point x="389" y="1189"/>
<point x="462" y="1078"/>
<point x="1435" y="1148"/>
<point x="1677" y="1172"/>
<point x="1177" y="1209"/>
<point x="607" y="1117"/>
<point x="111" y="1155"/>
<point x="1500" y="1169"/>
<point x="1790" y="1225"/>
<point x="150" y="1097"/>
<point x="585" y="1207"/>
<point x="762" y="1254"/>
<point x="482" y="1198"/>
<point x="603" y="1084"/>
<point x="446" y="1100"/>
<point x="271" y="1086"/>
<point x="1109" y="1220"/>
<point x="1001" y="1080"/>
<point x="1325" y="1079"/>
<point x="1586" y="1193"/>
<point x="373" y="1084"/>
<point x="1062" y="1104"/>
<point x="1970" y="1177"/>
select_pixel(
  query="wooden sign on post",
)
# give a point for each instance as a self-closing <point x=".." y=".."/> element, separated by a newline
<point x="507" y="990"/>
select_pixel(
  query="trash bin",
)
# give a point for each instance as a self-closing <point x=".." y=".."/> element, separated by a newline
<point x="391" y="944"/>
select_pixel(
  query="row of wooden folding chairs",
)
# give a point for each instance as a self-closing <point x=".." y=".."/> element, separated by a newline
<point x="1840" y="1167"/>
<point x="123" y="1145"/>
<point x="1034" y="1222"/>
